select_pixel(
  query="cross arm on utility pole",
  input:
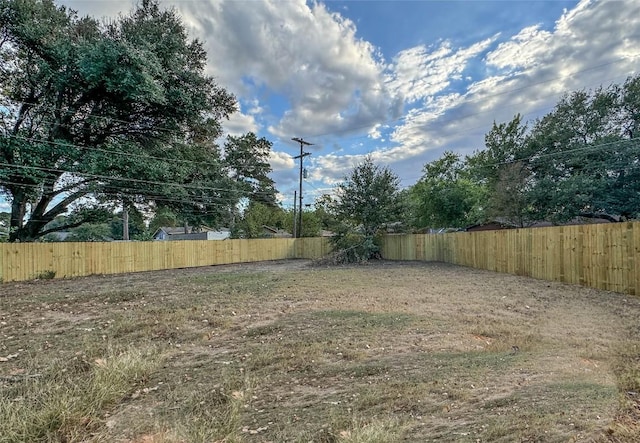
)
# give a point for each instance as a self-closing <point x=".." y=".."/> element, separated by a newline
<point x="302" y="142"/>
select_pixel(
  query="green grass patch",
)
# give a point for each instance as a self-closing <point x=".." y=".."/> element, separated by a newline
<point x="69" y="400"/>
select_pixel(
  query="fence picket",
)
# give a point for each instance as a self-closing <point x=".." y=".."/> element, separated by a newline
<point x="28" y="261"/>
<point x="603" y="256"/>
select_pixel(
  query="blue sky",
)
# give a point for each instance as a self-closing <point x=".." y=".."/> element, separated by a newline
<point x="402" y="81"/>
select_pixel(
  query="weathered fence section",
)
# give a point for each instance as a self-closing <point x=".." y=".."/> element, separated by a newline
<point x="603" y="256"/>
<point x="27" y="261"/>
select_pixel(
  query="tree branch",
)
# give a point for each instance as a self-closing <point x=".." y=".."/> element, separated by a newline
<point x="611" y="218"/>
<point x="63" y="227"/>
<point x="64" y="204"/>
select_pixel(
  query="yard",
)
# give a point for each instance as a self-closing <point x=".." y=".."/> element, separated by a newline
<point x="287" y="352"/>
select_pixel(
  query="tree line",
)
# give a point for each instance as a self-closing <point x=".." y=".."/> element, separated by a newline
<point x="100" y="118"/>
<point x="579" y="160"/>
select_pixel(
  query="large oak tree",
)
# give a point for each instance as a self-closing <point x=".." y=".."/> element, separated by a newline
<point x="94" y="114"/>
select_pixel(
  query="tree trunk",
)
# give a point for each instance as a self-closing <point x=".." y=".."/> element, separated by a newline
<point x="18" y="211"/>
<point x="125" y="222"/>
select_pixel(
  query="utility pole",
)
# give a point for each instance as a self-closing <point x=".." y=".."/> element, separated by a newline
<point x="301" y="156"/>
<point x="125" y="221"/>
<point x="295" y="216"/>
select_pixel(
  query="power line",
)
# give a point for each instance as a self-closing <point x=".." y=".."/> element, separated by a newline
<point x="591" y="68"/>
<point x="444" y="122"/>
<point x="628" y="142"/>
<point x="126" y="154"/>
<point x="122" y="179"/>
<point x="158" y="198"/>
<point x="109" y="151"/>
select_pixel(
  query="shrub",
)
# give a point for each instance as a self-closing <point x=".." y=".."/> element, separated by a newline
<point x="353" y="246"/>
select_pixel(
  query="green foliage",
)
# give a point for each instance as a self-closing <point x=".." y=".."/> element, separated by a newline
<point x="137" y="227"/>
<point x="583" y="158"/>
<point x="509" y="198"/>
<point x="91" y="232"/>
<point x="247" y="158"/>
<point x="324" y="209"/>
<point x="46" y="275"/>
<point x="369" y="197"/>
<point x="311" y="224"/>
<point x="352" y="246"/>
<point x="119" y="112"/>
<point x="106" y="228"/>
<point x="163" y="217"/>
<point x="500" y="169"/>
<point x="369" y="200"/>
<point x="503" y="145"/>
<point x="4" y="226"/>
<point x="257" y="215"/>
<point x="446" y="196"/>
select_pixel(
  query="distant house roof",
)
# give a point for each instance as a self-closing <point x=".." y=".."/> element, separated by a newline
<point x="171" y="233"/>
<point x="270" y="231"/>
<point x="164" y="232"/>
<point x="57" y="236"/>
<point x="503" y="223"/>
<point x="174" y="230"/>
<point x="489" y="226"/>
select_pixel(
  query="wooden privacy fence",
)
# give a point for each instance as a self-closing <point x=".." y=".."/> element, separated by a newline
<point x="603" y="256"/>
<point x="28" y="261"/>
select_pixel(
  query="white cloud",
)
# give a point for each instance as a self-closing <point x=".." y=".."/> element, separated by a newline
<point x="524" y="50"/>
<point x="590" y="35"/>
<point x="374" y="132"/>
<point x="255" y="108"/>
<point x="420" y="72"/>
<point x="239" y="124"/>
<point x="331" y="169"/>
<point x="593" y="44"/>
<point x="331" y="79"/>
<point x="281" y="161"/>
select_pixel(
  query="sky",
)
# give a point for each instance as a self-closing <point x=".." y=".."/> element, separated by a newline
<point x="401" y="81"/>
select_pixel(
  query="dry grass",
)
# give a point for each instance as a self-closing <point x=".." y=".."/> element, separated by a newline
<point x="282" y="352"/>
